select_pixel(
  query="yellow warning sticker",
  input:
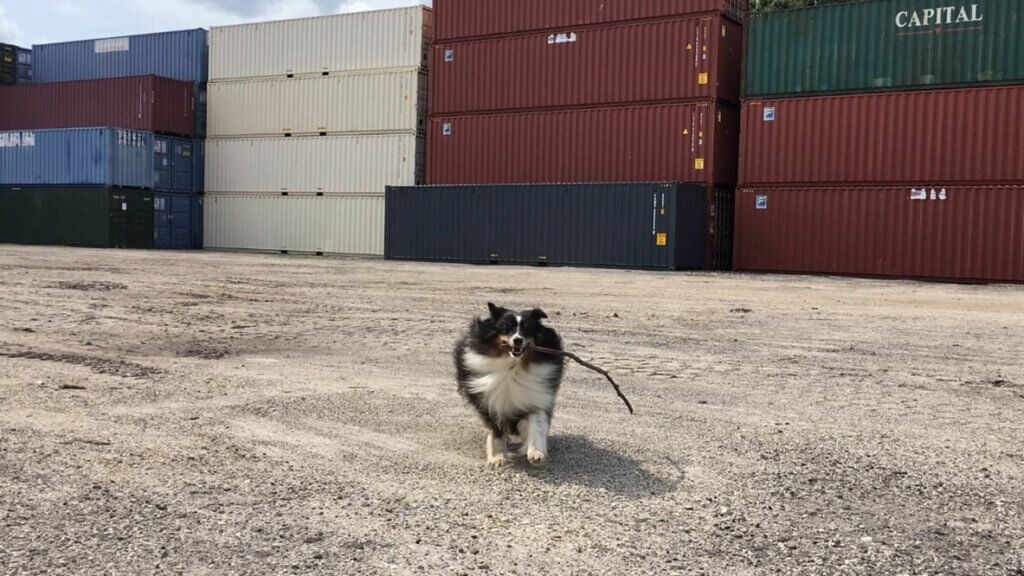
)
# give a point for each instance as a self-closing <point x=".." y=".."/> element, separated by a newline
<point x="686" y="132"/>
<point x="699" y="164"/>
<point x="662" y="239"/>
<point x="689" y="46"/>
<point x="703" y="78"/>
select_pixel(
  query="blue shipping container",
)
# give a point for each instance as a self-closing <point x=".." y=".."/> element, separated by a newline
<point x="100" y="157"/>
<point x="177" y="221"/>
<point x="181" y="55"/>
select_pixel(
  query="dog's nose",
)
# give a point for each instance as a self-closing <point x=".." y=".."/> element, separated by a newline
<point x="517" y="342"/>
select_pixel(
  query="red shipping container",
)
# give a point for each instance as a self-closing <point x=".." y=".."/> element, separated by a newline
<point x="148" y="103"/>
<point x="959" y="232"/>
<point x="667" y="60"/>
<point x="455" y="19"/>
<point x="692" y="143"/>
<point x="972" y="136"/>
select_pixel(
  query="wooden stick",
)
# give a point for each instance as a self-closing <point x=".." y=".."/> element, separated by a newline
<point x="553" y="352"/>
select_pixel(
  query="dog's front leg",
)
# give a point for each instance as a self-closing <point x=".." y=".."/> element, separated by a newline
<point x="496" y="445"/>
<point x="536" y="437"/>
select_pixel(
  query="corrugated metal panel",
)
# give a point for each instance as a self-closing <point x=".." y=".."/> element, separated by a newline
<point x="463" y="19"/>
<point x="362" y="41"/>
<point x="693" y="143"/>
<point x="95" y="157"/>
<point x="92" y="217"/>
<point x="654" y="226"/>
<point x="361" y="163"/>
<point x="688" y="58"/>
<point x="295" y="223"/>
<point x="24" y="68"/>
<point x="174" y="218"/>
<point x="872" y="46"/>
<point x="899" y="138"/>
<point x="140" y="103"/>
<point x="382" y="101"/>
<point x="970" y="233"/>
<point x="180" y="55"/>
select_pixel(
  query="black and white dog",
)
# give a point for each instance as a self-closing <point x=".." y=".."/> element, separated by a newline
<point x="511" y="386"/>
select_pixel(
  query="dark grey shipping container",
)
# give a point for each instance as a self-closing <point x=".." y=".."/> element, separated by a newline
<point x="658" y="226"/>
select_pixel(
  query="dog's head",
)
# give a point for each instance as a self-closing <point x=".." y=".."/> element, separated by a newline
<point x="514" y="331"/>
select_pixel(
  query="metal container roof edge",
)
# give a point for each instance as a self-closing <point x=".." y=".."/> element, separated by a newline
<point x="343" y="15"/>
<point x="160" y="33"/>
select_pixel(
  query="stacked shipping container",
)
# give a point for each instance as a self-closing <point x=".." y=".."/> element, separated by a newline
<point x="116" y="115"/>
<point x="852" y="162"/>
<point x="15" y="65"/>
<point x="310" y="120"/>
<point x="534" y="92"/>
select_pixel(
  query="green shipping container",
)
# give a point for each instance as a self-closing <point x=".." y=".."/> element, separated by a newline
<point x="885" y="45"/>
<point x="91" y="217"/>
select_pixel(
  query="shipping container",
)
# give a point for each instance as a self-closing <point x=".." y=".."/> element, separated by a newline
<point x="92" y="217"/>
<point x="111" y="157"/>
<point x="379" y="101"/>
<point x="694" y="143"/>
<point x="8" y="65"/>
<point x="971" y="135"/>
<point x="397" y="38"/>
<point x="666" y="60"/>
<point x="177" y="221"/>
<point x="145" y="103"/>
<point x="885" y="45"/>
<point x="465" y="19"/>
<point x="296" y="223"/>
<point x="181" y="55"/>
<point x="651" y="225"/>
<point x="351" y="163"/>
<point x="949" y="232"/>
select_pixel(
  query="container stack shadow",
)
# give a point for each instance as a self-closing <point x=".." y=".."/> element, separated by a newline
<point x="884" y="139"/>
<point x="310" y="120"/>
<point x="595" y="133"/>
<point x="101" y="144"/>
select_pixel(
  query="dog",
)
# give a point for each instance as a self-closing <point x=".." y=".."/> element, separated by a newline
<point x="511" y="386"/>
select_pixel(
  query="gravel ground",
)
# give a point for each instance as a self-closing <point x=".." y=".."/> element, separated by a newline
<point x="246" y="414"/>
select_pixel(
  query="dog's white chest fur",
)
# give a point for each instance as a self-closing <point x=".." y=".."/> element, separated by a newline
<point x="507" y="386"/>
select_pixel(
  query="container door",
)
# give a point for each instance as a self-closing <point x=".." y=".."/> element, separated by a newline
<point x="181" y="222"/>
<point x="162" y="165"/>
<point x="162" y="221"/>
<point x="183" y="162"/>
<point x="140" y="223"/>
<point x="118" y="237"/>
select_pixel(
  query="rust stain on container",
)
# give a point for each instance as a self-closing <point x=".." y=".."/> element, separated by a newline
<point x="931" y="231"/>
<point x="149" y="103"/>
<point x="482" y="18"/>
<point x="696" y="57"/>
<point x="692" y="143"/>
<point x="971" y="136"/>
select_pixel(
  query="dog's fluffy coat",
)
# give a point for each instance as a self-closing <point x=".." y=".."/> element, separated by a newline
<point x="511" y="386"/>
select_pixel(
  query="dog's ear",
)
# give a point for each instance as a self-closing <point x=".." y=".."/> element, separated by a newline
<point x="538" y="314"/>
<point x="496" y="311"/>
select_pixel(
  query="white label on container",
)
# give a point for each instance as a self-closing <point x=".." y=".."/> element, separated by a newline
<point x="446" y="129"/>
<point x="110" y="45"/>
<point x="28" y="138"/>
<point x="562" y="38"/>
<point x="124" y="206"/>
<point x="769" y="114"/>
<point x="160" y="146"/>
<point x="449" y="55"/>
<point x="762" y="202"/>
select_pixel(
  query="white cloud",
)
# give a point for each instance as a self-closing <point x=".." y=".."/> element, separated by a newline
<point x="348" y="6"/>
<point x="9" y="32"/>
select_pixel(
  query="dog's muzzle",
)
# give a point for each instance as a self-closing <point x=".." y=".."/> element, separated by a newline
<point x="517" y="347"/>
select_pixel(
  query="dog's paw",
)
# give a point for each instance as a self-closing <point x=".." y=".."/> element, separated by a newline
<point x="496" y="461"/>
<point x="536" y="457"/>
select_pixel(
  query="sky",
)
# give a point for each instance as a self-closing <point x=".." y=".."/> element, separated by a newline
<point x="27" y="22"/>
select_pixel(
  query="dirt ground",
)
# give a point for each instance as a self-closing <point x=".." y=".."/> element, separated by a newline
<point x="211" y="413"/>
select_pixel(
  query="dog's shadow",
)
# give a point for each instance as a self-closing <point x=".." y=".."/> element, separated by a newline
<point x="576" y="460"/>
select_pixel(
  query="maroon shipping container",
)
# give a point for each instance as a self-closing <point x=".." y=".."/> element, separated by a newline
<point x="149" y="103"/>
<point x="464" y="19"/>
<point x="959" y="232"/>
<point x="667" y="60"/>
<point x="692" y="143"/>
<point x="972" y="136"/>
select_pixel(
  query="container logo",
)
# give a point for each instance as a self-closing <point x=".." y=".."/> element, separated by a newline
<point x="932" y="19"/>
<point x="662" y="239"/>
<point x="925" y="194"/>
<point x="562" y="38"/>
<point x="762" y="202"/>
<point x="17" y="139"/>
<point x="449" y="55"/>
<point x="769" y="114"/>
<point x="446" y="129"/>
<point x="111" y="45"/>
